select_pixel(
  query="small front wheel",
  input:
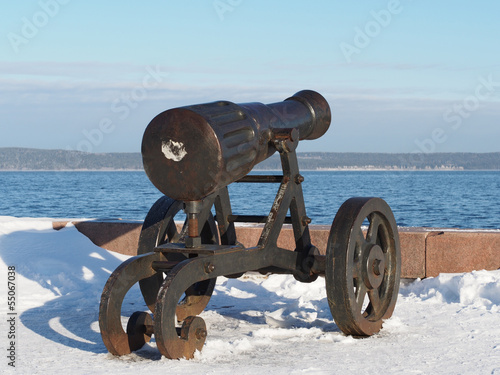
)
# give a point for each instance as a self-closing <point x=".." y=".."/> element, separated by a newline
<point x="362" y="271"/>
<point x="139" y="329"/>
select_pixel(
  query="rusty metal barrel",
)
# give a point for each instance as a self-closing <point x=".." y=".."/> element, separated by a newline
<point x="190" y="152"/>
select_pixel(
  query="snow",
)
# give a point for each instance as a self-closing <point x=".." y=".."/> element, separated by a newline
<point x="444" y="325"/>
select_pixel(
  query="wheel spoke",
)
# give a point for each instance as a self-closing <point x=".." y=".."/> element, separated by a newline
<point x="387" y="260"/>
<point x="372" y="234"/>
<point x="360" y="239"/>
<point x="360" y="244"/>
<point x="356" y="269"/>
<point x="361" y="291"/>
<point x="176" y="235"/>
<point x="375" y="302"/>
<point x="171" y="232"/>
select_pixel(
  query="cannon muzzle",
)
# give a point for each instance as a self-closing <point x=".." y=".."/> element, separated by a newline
<point x="191" y="152"/>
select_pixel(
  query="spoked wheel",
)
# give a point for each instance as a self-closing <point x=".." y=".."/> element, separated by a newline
<point x="362" y="272"/>
<point x="158" y="228"/>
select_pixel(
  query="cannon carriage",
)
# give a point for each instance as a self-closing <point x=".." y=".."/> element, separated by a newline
<point x="191" y="154"/>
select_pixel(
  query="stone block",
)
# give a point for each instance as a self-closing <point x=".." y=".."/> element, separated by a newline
<point x="119" y="236"/>
<point x="412" y="242"/>
<point x="450" y="251"/>
<point x="58" y="225"/>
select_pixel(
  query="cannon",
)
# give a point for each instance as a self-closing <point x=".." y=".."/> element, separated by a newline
<point x="191" y="154"/>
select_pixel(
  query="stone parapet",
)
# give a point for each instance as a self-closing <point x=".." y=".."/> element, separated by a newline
<point x="425" y="252"/>
<point x="449" y="250"/>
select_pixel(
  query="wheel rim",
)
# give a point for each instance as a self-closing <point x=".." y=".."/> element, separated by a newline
<point x="363" y="271"/>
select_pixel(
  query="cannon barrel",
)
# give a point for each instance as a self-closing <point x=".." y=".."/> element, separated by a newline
<point x="191" y="152"/>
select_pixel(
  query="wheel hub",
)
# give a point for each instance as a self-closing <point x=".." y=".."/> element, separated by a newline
<point x="374" y="269"/>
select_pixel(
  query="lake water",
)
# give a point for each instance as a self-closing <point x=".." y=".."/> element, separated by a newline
<point x="453" y="199"/>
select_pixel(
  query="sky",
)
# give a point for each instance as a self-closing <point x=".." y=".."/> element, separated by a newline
<point x="399" y="75"/>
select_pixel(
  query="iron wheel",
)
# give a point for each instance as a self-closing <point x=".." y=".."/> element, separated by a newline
<point x="363" y="271"/>
<point x="159" y="227"/>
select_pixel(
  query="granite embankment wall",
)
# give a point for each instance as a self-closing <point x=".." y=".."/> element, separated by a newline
<point x="425" y="252"/>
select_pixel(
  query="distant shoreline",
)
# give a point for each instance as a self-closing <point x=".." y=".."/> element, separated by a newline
<point x="26" y="159"/>
<point x="257" y="170"/>
<point x="71" y="170"/>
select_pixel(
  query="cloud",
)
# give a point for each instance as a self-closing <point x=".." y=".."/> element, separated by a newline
<point x="75" y="70"/>
<point x="414" y="66"/>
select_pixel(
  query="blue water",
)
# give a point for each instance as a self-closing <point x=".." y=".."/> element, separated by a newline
<point x="454" y="199"/>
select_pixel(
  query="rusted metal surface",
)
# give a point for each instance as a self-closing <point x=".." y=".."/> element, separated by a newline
<point x="253" y="219"/>
<point x="191" y="152"/>
<point x="159" y="228"/>
<point x="194" y="152"/>
<point x="261" y="179"/>
<point x="117" y="341"/>
<point x="362" y="273"/>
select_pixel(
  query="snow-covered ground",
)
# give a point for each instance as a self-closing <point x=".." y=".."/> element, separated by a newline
<point x="447" y="325"/>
